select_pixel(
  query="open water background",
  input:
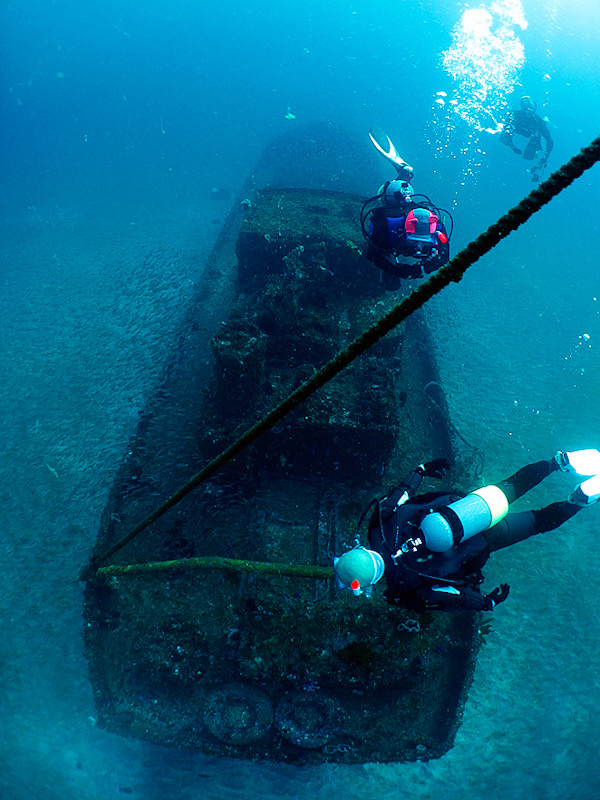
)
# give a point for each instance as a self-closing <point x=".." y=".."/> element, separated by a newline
<point x="128" y="130"/>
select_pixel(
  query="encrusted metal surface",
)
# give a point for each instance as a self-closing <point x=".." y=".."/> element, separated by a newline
<point x="261" y="667"/>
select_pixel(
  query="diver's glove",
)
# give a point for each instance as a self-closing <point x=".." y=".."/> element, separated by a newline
<point x="437" y="468"/>
<point x="579" y="462"/>
<point x="498" y="595"/>
<point x="587" y="493"/>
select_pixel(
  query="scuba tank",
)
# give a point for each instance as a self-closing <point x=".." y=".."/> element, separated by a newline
<point x="472" y="514"/>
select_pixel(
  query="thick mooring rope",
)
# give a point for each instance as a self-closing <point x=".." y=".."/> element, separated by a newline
<point x="453" y="271"/>
<point x="216" y="562"/>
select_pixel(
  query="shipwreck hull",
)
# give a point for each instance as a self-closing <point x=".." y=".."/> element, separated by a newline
<point x="256" y="666"/>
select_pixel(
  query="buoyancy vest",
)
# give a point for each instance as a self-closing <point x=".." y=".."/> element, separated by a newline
<point x="391" y="525"/>
<point x="523" y="124"/>
<point x="409" y="229"/>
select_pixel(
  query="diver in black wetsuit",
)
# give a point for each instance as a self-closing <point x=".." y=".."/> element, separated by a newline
<point x="526" y="122"/>
<point x="405" y="231"/>
<point x="431" y="547"/>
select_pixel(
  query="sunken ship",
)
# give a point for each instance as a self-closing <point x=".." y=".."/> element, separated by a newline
<point x="250" y="663"/>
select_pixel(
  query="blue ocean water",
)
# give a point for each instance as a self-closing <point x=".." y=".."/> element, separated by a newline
<point x="130" y="127"/>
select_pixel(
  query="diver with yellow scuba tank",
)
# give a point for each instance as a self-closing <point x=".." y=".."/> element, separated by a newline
<point x="431" y="547"/>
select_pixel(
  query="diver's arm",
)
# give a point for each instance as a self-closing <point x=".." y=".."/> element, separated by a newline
<point x="445" y="597"/>
<point x="439" y="260"/>
<point x="408" y="487"/>
<point x="507" y="132"/>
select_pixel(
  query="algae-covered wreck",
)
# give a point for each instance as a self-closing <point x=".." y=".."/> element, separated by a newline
<point x="246" y="664"/>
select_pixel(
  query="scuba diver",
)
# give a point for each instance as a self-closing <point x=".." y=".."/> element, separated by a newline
<point x="526" y="122"/>
<point x="405" y="232"/>
<point x="431" y="547"/>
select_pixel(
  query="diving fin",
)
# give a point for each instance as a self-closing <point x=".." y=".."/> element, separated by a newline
<point x="384" y="144"/>
<point x="587" y="493"/>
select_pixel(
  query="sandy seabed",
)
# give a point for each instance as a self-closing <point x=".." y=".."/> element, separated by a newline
<point x="91" y="306"/>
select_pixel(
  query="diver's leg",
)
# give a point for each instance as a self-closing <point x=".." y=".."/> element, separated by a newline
<point x="526" y="478"/>
<point x="533" y="147"/>
<point x="521" y="525"/>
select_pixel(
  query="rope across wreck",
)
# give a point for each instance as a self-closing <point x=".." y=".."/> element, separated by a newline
<point x="215" y="562"/>
<point x="451" y="272"/>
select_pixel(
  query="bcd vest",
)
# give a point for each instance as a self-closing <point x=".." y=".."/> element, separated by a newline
<point x="391" y="526"/>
